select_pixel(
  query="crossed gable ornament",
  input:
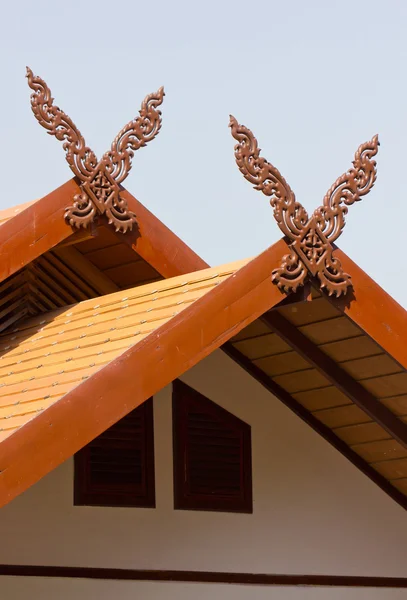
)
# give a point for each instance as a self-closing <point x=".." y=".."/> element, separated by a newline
<point x="310" y="239"/>
<point x="99" y="180"/>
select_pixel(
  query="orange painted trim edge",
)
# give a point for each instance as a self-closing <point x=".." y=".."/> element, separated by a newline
<point x="374" y="311"/>
<point x="158" y="245"/>
<point x="41" y="226"/>
<point x="35" y="230"/>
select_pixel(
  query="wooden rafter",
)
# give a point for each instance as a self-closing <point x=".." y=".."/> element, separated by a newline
<point x="13" y="305"/>
<point x="74" y="260"/>
<point x="54" y="280"/>
<point x="338" y="376"/>
<point x="68" y="276"/>
<point x="14" y="318"/>
<point x="49" y="286"/>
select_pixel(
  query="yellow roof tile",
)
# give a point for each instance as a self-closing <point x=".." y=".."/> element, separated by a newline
<point x="47" y="356"/>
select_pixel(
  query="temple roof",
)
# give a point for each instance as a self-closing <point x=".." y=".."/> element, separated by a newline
<point x="101" y="306"/>
<point x="340" y="363"/>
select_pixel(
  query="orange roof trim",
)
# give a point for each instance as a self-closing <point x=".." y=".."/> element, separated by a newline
<point x="40" y="225"/>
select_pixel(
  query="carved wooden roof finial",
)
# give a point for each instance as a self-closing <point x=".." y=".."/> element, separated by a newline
<point x="99" y="180"/>
<point x="311" y="238"/>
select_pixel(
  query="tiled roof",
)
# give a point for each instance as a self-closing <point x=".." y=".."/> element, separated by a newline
<point x="47" y="356"/>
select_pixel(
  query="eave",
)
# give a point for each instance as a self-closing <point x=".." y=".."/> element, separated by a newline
<point x="41" y="226"/>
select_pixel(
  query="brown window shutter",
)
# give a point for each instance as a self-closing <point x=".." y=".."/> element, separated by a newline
<point x="212" y="455"/>
<point x="117" y="468"/>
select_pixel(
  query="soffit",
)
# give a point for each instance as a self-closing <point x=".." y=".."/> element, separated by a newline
<point x="116" y="259"/>
<point x="359" y="356"/>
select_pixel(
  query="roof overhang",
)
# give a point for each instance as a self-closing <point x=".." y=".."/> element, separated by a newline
<point x="41" y="226"/>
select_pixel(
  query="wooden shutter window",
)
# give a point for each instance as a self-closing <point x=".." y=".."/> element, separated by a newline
<point x="117" y="468"/>
<point x="212" y="455"/>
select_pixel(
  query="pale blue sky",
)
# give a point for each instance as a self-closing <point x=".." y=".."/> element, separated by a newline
<point x="313" y="79"/>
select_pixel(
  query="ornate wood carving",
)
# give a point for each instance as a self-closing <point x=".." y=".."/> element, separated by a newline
<point x="310" y="238"/>
<point x="100" y="180"/>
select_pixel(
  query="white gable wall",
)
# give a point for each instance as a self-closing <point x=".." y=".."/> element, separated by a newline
<point x="314" y="513"/>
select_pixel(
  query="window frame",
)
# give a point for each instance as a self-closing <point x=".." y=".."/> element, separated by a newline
<point x="110" y="495"/>
<point x="183" y="498"/>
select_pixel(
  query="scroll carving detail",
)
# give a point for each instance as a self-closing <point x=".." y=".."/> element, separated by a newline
<point x="311" y="238"/>
<point x="99" y="180"/>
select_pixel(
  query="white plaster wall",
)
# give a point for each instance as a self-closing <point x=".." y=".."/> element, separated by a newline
<point x="313" y="511"/>
<point x="31" y="588"/>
